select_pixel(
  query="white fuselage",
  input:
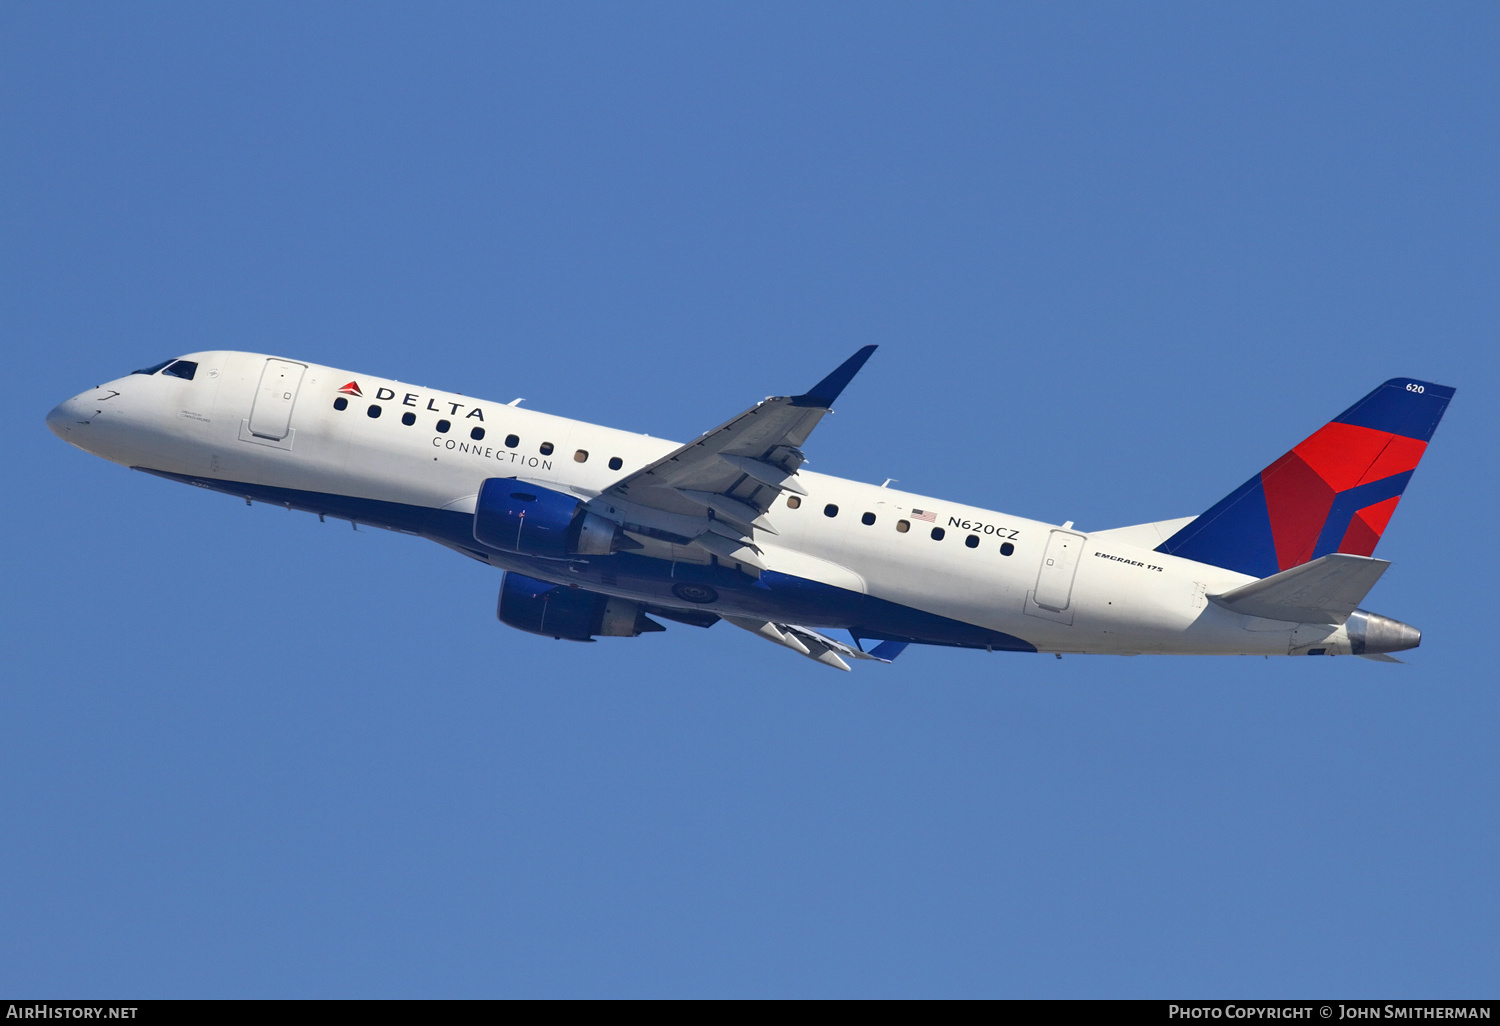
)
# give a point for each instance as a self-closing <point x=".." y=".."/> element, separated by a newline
<point x="1106" y="592"/>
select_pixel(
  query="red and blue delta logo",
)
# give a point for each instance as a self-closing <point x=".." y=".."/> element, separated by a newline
<point x="352" y="389"/>
<point x="1334" y="492"/>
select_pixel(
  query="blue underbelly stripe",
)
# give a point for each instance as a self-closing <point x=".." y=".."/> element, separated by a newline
<point x="775" y="596"/>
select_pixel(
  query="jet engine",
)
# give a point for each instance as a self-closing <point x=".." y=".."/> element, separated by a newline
<point x="514" y="516"/>
<point x="572" y="614"/>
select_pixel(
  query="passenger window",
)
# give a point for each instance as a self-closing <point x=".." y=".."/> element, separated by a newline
<point x="902" y="526"/>
<point x="868" y="519"/>
<point x="972" y="541"/>
<point x="792" y="502"/>
<point x="477" y="434"/>
<point x="581" y="456"/>
<point x="182" y="369"/>
<point x="373" y="411"/>
<point x="615" y="463"/>
<point x="408" y="419"/>
<point x="1007" y="548"/>
<point x="341" y="403"/>
<point x="937" y="534"/>
<point x="830" y="510"/>
<point x="443" y="427"/>
<point x="546" y="448"/>
<point x="152" y="369"/>
<point x="511" y="441"/>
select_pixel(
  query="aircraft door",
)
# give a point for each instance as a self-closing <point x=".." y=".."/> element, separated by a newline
<point x="271" y="414"/>
<point x="1054" y="582"/>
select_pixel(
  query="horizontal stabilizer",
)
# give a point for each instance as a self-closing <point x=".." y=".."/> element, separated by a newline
<point x="1325" y="590"/>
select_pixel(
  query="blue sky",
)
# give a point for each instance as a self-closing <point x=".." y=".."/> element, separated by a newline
<point x="1117" y="258"/>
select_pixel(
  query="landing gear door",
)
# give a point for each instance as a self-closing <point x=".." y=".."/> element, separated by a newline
<point x="1054" y="582"/>
<point x="271" y="414"/>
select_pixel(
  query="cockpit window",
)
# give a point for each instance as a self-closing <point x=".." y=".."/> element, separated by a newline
<point x="182" y="369"/>
<point x="153" y="368"/>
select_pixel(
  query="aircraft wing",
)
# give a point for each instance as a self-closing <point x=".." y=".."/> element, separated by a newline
<point x="816" y="646"/>
<point x="733" y="474"/>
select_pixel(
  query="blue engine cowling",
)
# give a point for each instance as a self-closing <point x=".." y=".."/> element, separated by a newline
<point x="571" y="614"/>
<point x="515" y="516"/>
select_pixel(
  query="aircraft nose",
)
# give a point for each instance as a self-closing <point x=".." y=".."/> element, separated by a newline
<point x="65" y="417"/>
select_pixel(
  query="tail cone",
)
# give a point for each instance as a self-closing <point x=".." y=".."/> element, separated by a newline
<point x="1371" y="634"/>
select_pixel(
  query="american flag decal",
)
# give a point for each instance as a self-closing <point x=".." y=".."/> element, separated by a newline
<point x="923" y="514"/>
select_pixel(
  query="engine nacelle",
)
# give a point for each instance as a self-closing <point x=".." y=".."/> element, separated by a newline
<point x="514" y="516"/>
<point x="557" y="611"/>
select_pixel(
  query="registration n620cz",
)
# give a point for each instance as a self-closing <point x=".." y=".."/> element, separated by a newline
<point x="978" y="528"/>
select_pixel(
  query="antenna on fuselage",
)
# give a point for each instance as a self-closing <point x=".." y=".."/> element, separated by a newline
<point x="515" y="402"/>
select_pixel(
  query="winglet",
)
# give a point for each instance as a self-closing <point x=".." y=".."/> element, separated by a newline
<point x="826" y="391"/>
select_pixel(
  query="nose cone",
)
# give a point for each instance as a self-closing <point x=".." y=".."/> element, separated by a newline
<point x="66" y="418"/>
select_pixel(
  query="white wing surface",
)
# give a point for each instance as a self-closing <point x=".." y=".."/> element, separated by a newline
<point x="733" y="474"/>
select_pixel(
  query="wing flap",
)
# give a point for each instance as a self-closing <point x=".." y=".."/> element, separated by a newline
<point x="766" y="473"/>
<point x="814" y="645"/>
<point x="734" y="550"/>
<point x="741" y="513"/>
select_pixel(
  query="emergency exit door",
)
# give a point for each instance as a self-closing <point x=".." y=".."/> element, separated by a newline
<point x="1054" y="582"/>
<point x="271" y="413"/>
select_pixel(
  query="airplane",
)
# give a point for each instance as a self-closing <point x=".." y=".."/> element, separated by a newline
<point x="604" y="533"/>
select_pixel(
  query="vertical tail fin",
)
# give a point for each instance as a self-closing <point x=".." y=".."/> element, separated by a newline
<point x="1334" y="492"/>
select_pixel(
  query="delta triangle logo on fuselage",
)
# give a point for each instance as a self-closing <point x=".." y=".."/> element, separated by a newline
<point x="385" y="394"/>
